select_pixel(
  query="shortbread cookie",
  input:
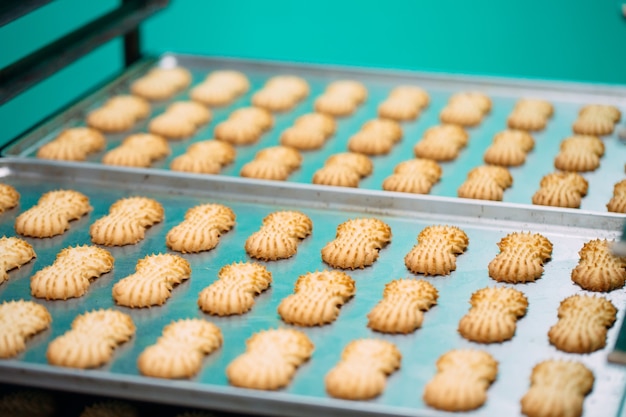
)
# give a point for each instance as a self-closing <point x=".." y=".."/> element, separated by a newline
<point x="337" y="175"/>
<point x="466" y="109"/>
<point x="462" y="380"/>
<point x="411" y="93"/>
<point x="119" y="114"/>
<point x="52" y="214"/>
<point x="271" y="359"/>
<point x="597" y="120"/>
<point x="110" y="409"/>
<point x="530" y="114"/>
<point x="617" y="203"/>
<point x="201" y="229"/>
<point x="579" y="153"/>
<point x="362" y="372"/>
<point x="317" y="298"/>
<point x="20" y="320"/>
<point x="255" y="115"/>
<point x="138" y="150"/>
<point x="152" y="282"/>
<point x="126" y="222"/>
<point x="441" y="143"/>
<point x="357" y="243"/>
<point x="494" y="314"/>
<point x="279" y="235"/>
<point x="486" y="182"/>
<point x="349" y="88"/>
<point x="415" y="176"/>
<point x="384" y="127"/>
<point x="180" y="120"/>
<point x="509" y="148"/>
<point x="28" y="403"/>
<point x="317" y="122"/>
<point x="359" y="163"/>
<point x="370" y="143"/>
<point x="179" y="352"/>
<point x="521" y="258"/>
<point x="71" y="273"/>
<point x="281" y="93"/>
<point x="303" y="138"/>
<point x="561" y="189"/>
<point x="235" y="289"/>
<point x="341" y="98"/>
<point x="598" y="268"/>
<point x="92" y="340"/>
<point x="220" y="88"/>
<point x="403" y="305"/>
<point x="399" y="108"/>
<point x="274" y="163"/>
<point x="14" y="253"/>
<point x="161" y="83"/>
<point x="9" y="197"/>
<point x="238" y="131"/>
<point x="583" y="324"/>
<point x="73" y="144"/>
<point x="557" y="388"/>
<point x="436" y="250"/>
<point x="205" y="157"/>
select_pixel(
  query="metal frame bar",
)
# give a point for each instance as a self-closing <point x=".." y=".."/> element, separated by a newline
<point x="23" y="74"/>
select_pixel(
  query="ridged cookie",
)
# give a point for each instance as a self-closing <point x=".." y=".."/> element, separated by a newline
<point x="19" y="320"/>
<point x="598" y="268"/>
<point x="201" y="229"/>
<point x="52" y="214"/>
<point x="521" y="258"/>
<point x="357" y="243"/>
<point x="279" y="235"/>
<point x="14" y="253"/>
<point x="436" y="250"/>
<point x="71" y="273"/>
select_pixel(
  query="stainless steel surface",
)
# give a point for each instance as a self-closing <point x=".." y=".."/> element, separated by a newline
<point x="567" y="98"/>
<point x="484" y="222"/>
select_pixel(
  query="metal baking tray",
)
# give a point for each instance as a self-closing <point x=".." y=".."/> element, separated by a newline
<point x="566" y="97"/>
<point x="484" y="222"/>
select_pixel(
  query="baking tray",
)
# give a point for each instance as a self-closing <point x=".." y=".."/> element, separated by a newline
<point x="484" y="222"/>
<point x="566" y="97"/>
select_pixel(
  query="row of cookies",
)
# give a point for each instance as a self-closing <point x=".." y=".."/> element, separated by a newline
<point x="270" y="361"/>
<point x="129" y="218"/>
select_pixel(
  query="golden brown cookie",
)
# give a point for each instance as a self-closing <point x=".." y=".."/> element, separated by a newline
<point x="293" y="85"/>
<point x="335" y="104"/>
<point x="441" y="143"/>
<point x="579" y="153"/>
<point x="317" y="298"/>
<point x="462" y="380"/>
<point x="92" y="340"/>
<point x="521" y="258"/>
<point x="201" y="229"/>
<point x="462" y="111"/>
<point x="318" y="122"/>
<point x="357" y="243"/>
<point x="617" y="204"/>
<point x="337" y="175"/>
<point x="436" y="250"/>
<point x="486" y="182"/>
<point x="279" y="235"/>
<point x="283" y="155"/>
<point x="73" y="144"/>
<point x="399" y="108"/>
<point x="161" y="83"/>
<point x="205" y="157"/>
<point x="509" y="148"/>
<point x="494" y="314"/>
<point x="271" y="359"/>
<point x="349" y="88"/>
<point x="255" y="115"/>
<point x="231" y="79"/>
<point x="9" y="197"/>
<point x="561" y="189"/>
<point x="362" y="372"/>
<point x="52" y="214"/>
<point x="152" y="282"/>
<point x="597" y="120"/>
<point x="303" y="138"/>
<point x="235" y="289"/>
<point x="180" y="120"/>
<point x="179" y="352"/>
<point x="370" y="143"/>
<point x="119" y="113"/>
<point x="557" y="388"/>
<point x="126" y="222"/>
<point x="71" y="273"/>
<point x="138" y="150"/>
<point x="359" y="163"/>
<point x="403" y="305"/>
<point x="14" y="253"/>
<point x="583" y="324"/>
<point x="598" y="269"/>
<point x="20" y="320"/>
<point x="417" y="95"/>
<point x="238" y="132"/>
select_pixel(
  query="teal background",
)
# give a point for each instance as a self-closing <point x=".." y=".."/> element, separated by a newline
<point x="575" y="40"/>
